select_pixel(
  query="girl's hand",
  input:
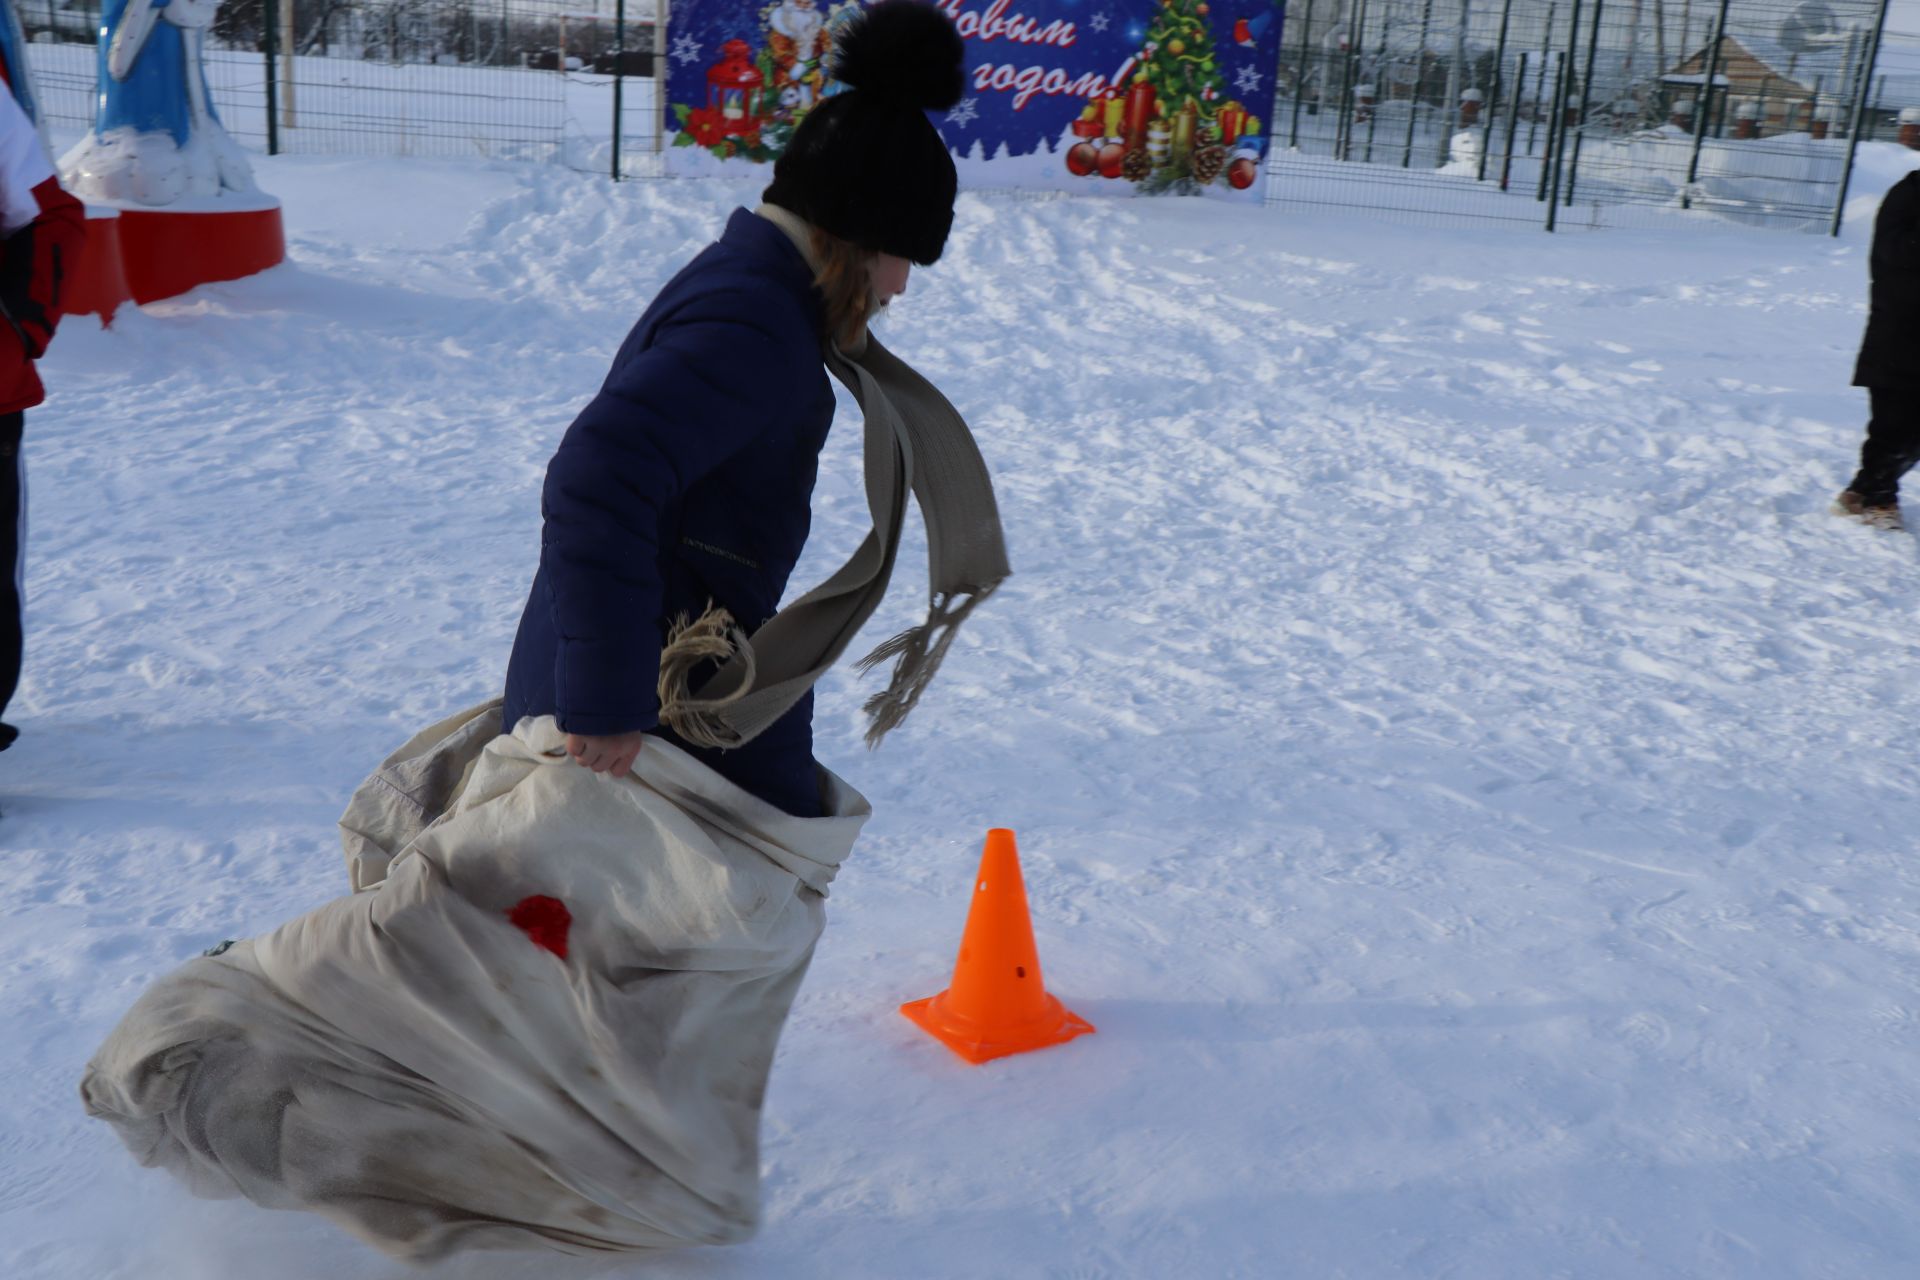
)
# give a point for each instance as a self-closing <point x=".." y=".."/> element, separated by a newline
<point x="612" y="754"/>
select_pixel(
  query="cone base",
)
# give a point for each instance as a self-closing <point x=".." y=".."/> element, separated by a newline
<point x="978" y="1042"/>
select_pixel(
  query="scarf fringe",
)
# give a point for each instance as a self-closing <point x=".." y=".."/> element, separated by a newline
<point x="919" y="653"/>
<point x="712" y="637"/>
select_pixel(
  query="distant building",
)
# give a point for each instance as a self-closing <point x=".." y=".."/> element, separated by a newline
<point x="1785" y="88"/>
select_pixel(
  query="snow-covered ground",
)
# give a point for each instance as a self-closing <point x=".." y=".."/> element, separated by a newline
<point x="1461" y="768"/>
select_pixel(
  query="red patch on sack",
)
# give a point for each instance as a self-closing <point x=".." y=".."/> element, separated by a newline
<point x="545" y="920"/>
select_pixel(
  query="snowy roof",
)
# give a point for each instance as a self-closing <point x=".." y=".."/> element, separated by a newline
<point x="1827" y="65"/>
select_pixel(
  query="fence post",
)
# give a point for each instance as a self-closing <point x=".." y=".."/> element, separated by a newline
<point x="662" y="71"/>
<point x="1556" y="108"/>
<point x="1373" y="113"/>
<point x="1300" y="78"/>
<point x="1859" y="113"/>
<point x="1586" y="89"/>
<point x="1456" y="85"/>
<point x="1540" y="81"/>
<point x="1513" y="120"/>
<point x="619" y="77"/>
<point x="1493" y="107"/>
<point x="269" y="21"/>
<point x="1559" y="148"/>
<point x="1703" y="105"/>
<point x="1419" y="77"/>
<point x="1349" y="65"/>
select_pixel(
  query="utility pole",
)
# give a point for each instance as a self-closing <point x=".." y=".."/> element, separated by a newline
<point x="287" y="52"/>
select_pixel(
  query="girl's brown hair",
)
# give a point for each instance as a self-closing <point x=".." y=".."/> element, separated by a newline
<point x="845" y="279"/>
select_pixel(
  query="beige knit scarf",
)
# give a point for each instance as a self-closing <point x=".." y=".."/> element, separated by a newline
<point x="915" y="442"/>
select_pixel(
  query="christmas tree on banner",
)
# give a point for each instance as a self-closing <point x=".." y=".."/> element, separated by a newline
<point x="1178" y="60"/>
<point x="1168" y="126"/>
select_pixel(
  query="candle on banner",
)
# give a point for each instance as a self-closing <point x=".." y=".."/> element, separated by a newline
<point x="1184" y="121"/>
<point x="1139" y="111"/>
<point x="1159" y="142"/>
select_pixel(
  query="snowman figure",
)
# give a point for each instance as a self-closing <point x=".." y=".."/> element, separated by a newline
<point x="837" y="21"/>
<point x="801" y="23"/>
<point x="156" y="140"/>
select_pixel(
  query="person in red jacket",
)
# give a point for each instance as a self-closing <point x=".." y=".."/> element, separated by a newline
<point x="42" y="229"/>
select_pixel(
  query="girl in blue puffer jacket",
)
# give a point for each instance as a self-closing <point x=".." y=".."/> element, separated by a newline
<point x="682" y="490"/>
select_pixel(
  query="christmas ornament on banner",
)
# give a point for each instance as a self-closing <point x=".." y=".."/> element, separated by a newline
<point x="1185" y="133"/>
<point x="741" y="77"/>
<point x="1109" y="97"/>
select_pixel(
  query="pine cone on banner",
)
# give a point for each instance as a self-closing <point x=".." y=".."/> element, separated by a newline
<point x="1137" y="166"/>
<point x="1207" y="164"/>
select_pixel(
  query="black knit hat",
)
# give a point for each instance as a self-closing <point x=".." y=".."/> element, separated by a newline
<point x="866" y="164"/>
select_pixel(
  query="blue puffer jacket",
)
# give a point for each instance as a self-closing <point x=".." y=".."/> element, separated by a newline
<point x="687" y="480"/>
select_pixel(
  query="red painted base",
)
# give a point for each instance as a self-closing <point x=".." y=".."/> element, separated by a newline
<point x="97" y="285"/>
<point x="144" y="255"/>
<point x="168" y="252"/>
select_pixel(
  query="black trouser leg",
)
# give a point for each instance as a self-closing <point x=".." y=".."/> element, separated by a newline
<point x="1892" y="446"/>
<point x="13" y="533"/>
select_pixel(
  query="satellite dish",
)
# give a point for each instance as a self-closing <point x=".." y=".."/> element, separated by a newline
<point x="1809" y="28"/>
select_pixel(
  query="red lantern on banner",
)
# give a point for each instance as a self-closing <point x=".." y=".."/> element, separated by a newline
<point x="733" y="89"/>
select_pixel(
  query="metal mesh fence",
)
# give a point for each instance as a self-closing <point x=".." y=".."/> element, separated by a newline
<point x="1556" y="113"/>
<point x="1893" y="100"/>
<point x="500" y="79"/>
<point x="1570" y="113"/>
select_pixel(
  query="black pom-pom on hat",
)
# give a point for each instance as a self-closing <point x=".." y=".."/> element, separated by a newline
<point x="907" y="51"/>
<point x="866" y="164"/>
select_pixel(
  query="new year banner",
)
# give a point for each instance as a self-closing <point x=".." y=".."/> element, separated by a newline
<point x="1114" y="97"/>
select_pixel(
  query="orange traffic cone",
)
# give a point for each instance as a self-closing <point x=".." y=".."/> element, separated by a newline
<point x="997" y="1004"/>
